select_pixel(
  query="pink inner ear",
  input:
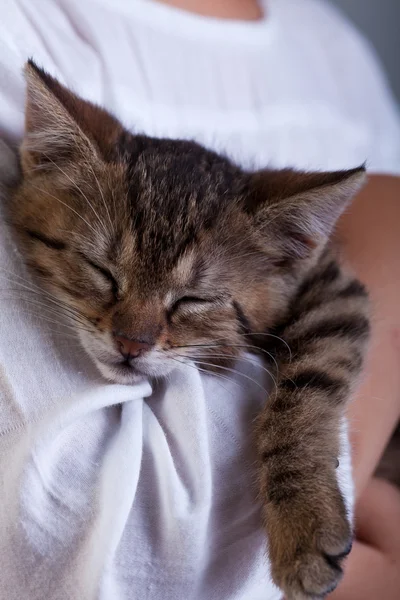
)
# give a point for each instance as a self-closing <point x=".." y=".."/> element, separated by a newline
<point x="305" y="240"/>
<point x="298" y="225"/>
<point x="297" y="246"/>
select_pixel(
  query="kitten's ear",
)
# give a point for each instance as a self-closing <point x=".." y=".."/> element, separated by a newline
<point x="298" y="211"/>
<point x="59" y="125"/>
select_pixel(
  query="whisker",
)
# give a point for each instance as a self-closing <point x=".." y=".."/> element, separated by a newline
<point x="216" y="375"/>
<point x="264" y="334"/>
<point x="83" y="325"/>
<point x="248" y="255"/>
<point x="66" y="205"/>
<point x="252" y="334"/>
<point x="35" y="289"/>
<point x="236" y="372"/>
<point x="76" y="318"/>
<point x="102" y="195"/>
<point x="76" y="186"/>
<point x="41" y="317"/>
<point x="233" y="246"/>
<point x="227" y="345"/>
<point x="45" y="317"/>
<point x="71" y="342"/>
<point x="239" y="358"/>
<point x="270" y="335"/>
<point x="37" y="295"/>
<point x="24" y="279"/>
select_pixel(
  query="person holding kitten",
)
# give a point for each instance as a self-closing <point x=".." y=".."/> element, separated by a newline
<point x="281" y="83"/>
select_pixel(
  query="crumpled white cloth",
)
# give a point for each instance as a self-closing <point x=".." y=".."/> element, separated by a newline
<point x="112" y="492"/>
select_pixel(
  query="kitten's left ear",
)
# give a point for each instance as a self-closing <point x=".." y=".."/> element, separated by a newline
<point x="297" y="212"/>
<point x="60" y="126"/>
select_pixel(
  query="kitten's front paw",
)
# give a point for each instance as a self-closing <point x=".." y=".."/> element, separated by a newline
<point x="307" y="546"/>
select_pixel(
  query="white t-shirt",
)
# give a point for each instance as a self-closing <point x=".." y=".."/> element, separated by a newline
<point x="111" y="492"/>
<point x="300" y="87"/>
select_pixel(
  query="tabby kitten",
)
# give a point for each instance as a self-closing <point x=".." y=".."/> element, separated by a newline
<point x="162" y="251"/>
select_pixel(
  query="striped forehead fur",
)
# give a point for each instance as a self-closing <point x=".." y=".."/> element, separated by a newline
<point x="161" y="251"/>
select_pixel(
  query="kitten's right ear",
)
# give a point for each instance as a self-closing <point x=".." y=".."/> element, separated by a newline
<point x="60" y="126"/>
<point x="296" y="212"/>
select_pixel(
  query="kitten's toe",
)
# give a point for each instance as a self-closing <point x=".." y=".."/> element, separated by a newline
<point x="313" y="578"/>
<point x="313" y="567"/>
<point x="319" y="575"/>
<point x="318" y="572"/>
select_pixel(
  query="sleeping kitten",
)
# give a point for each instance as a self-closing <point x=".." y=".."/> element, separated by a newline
<point x="162" y="251"/>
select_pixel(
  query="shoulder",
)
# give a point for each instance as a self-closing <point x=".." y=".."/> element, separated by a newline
<point x="330" y="46"/>
<point x="333" y="52"/>
<point x="326" y="26"/>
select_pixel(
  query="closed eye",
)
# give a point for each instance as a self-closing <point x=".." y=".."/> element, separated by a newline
<point x="189" y="301"/>
<point x="105" y="273"/>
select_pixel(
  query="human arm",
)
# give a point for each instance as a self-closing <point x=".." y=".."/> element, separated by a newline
<point x="370" y="234"/>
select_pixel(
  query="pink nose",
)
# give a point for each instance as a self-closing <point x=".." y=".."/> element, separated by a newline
<point x="131" y="348"/>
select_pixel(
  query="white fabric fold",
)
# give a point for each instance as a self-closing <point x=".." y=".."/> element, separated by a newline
<point x="111" y="492"/>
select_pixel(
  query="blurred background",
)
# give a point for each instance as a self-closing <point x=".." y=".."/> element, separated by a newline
<point x="380" y="22"/>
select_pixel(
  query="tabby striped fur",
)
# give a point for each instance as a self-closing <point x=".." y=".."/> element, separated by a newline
<point x="326" y="329"/>
<point x="164" y="246"/>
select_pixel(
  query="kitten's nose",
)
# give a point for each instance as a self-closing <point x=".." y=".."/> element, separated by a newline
<point x="131" y="348"/>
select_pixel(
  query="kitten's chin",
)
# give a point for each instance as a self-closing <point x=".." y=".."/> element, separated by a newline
<point x="119" y="373"/>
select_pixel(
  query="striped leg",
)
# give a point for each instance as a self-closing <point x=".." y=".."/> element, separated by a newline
<point x="298" y="433"/>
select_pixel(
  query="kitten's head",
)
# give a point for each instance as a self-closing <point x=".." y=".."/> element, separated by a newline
<point x="160" y="251"/>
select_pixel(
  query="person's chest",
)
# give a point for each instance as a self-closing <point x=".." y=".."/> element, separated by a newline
<point x="274" y="103"/>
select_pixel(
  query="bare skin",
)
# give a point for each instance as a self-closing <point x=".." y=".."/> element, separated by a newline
<point x="371" y="241"/>
<point x="370" y="236"/>
<point x="243" y="10"/>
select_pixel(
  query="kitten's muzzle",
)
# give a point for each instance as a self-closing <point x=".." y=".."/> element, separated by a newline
<point x="131" y="348"/>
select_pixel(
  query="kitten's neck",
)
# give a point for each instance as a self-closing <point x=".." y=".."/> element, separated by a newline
<point x="241" y="10"/>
